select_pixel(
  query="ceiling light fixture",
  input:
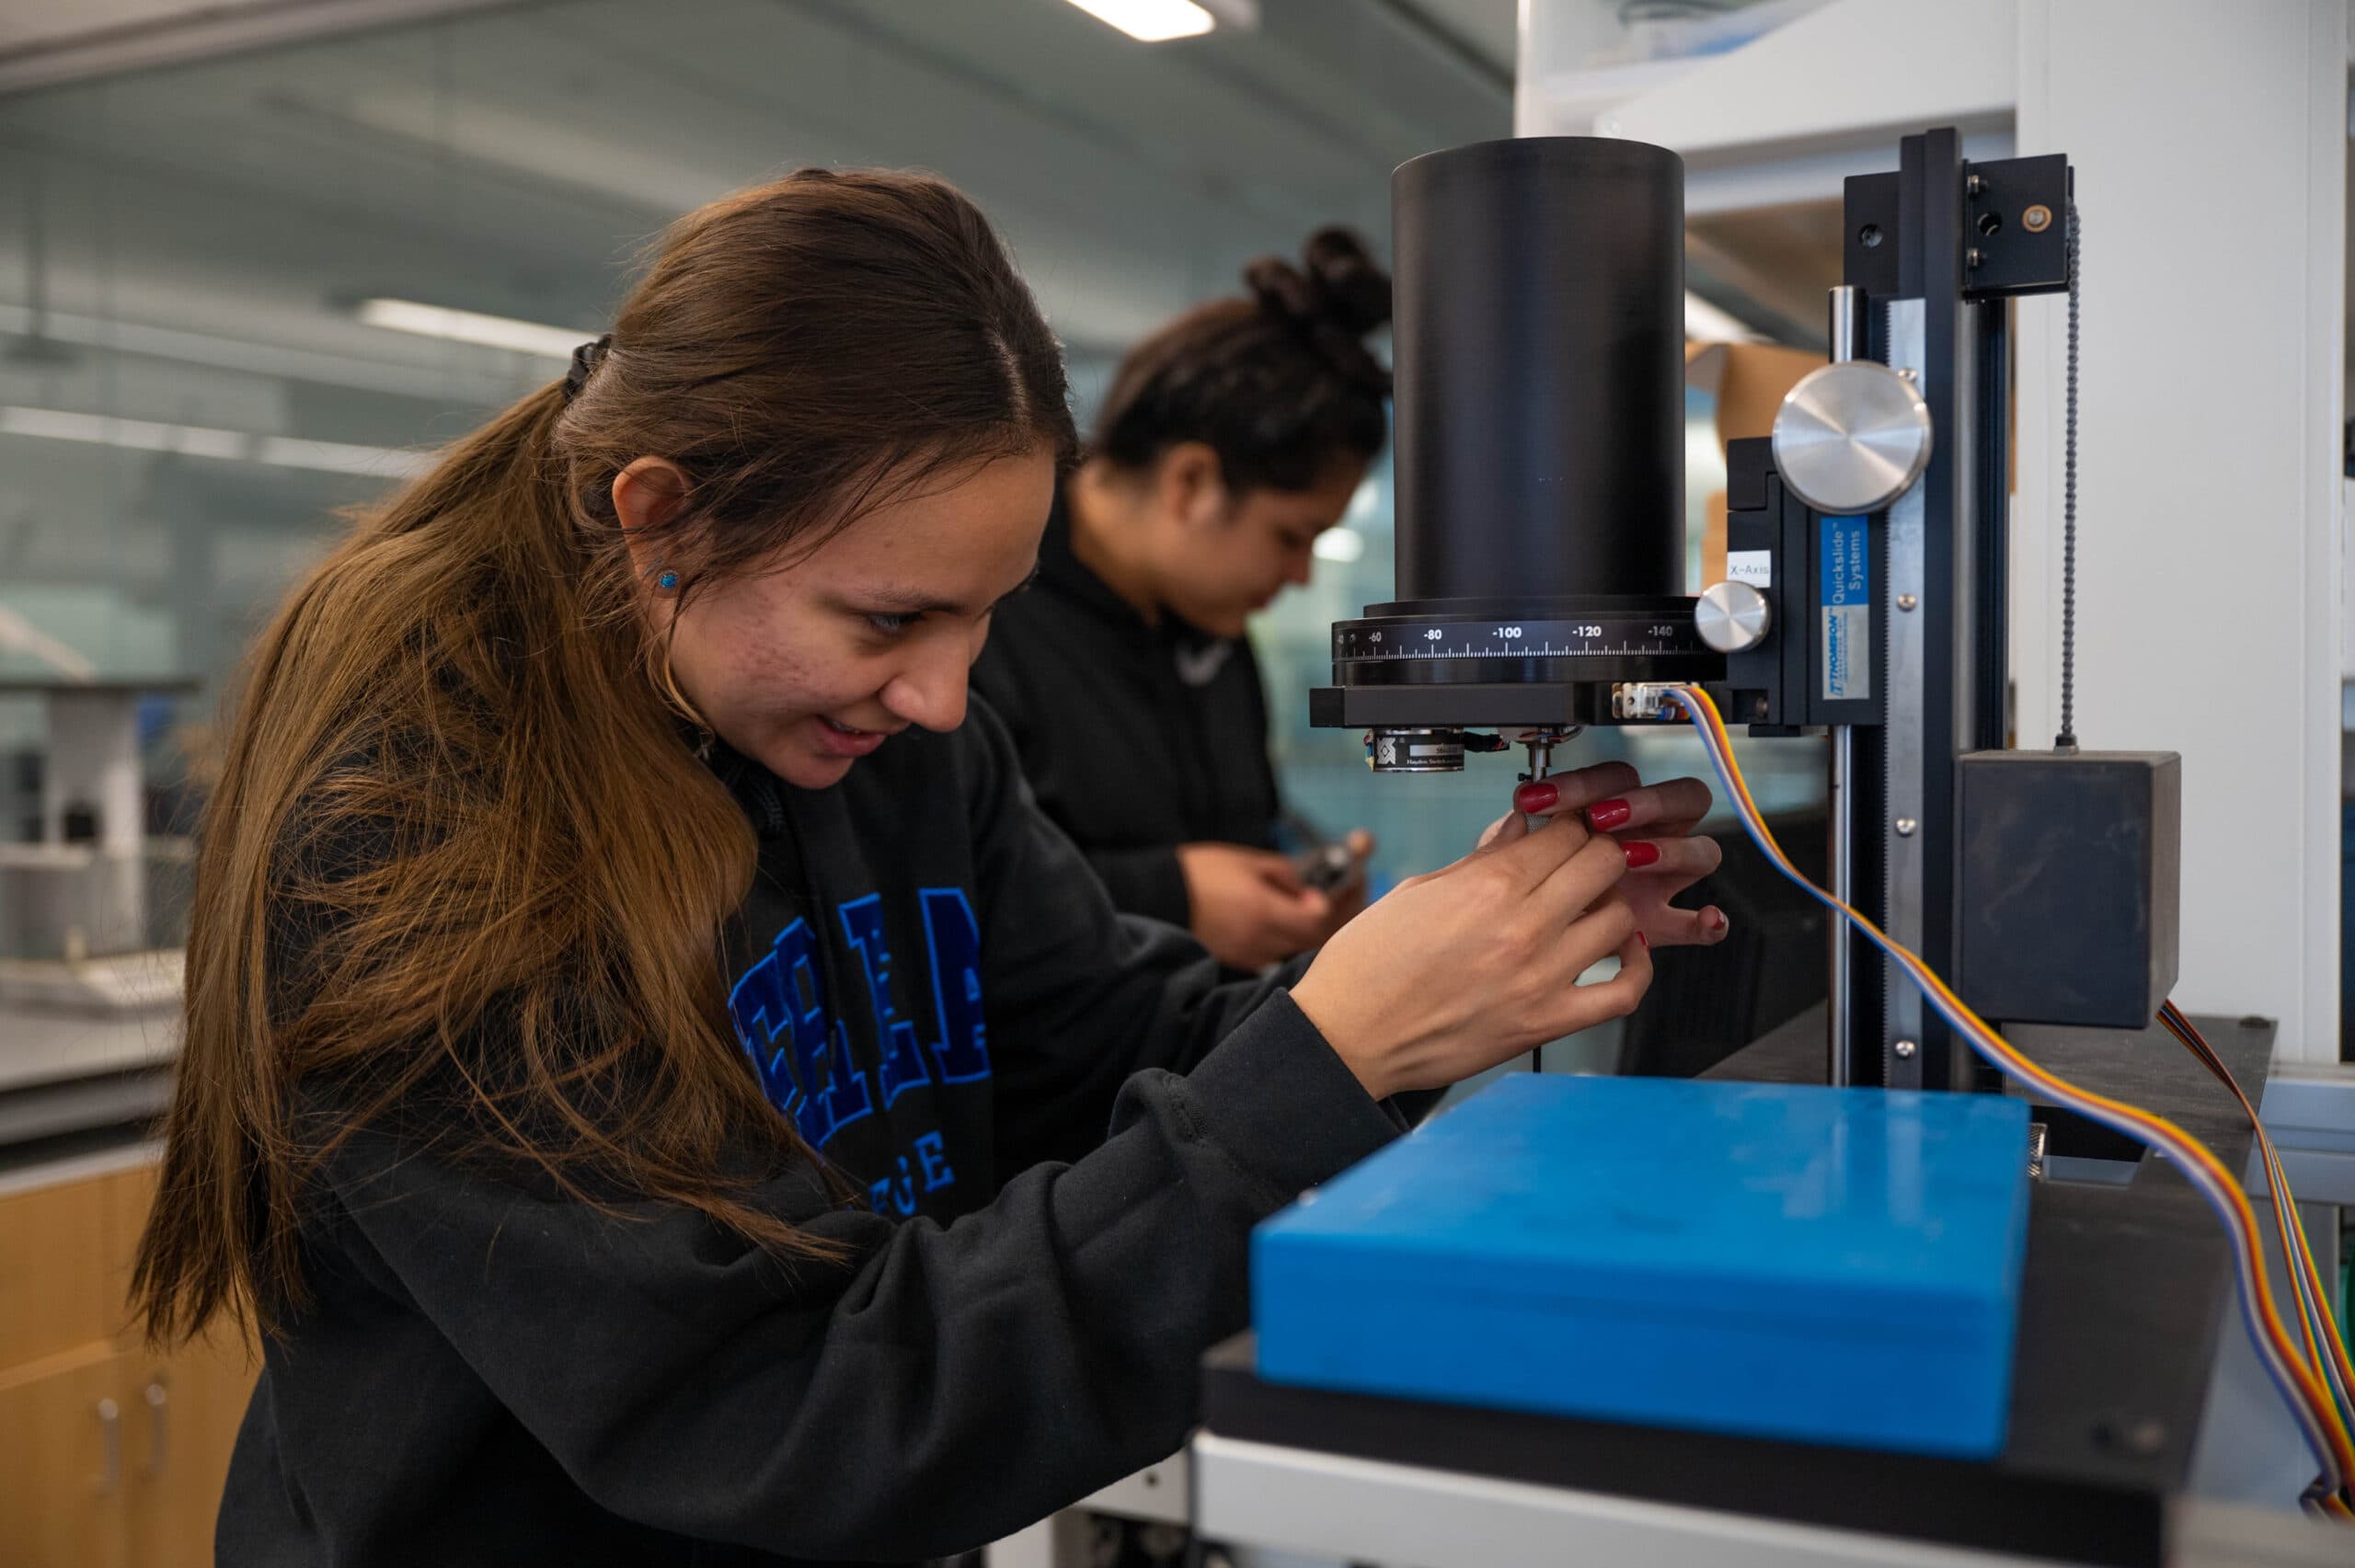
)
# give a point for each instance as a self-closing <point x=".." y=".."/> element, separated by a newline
<point x="473" y="327"/>
<point x="1152" y="21"/>
<point x="228" y="446"/>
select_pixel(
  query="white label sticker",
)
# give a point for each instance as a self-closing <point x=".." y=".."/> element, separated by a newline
<point x="1848" y="677"/>
<point x="1755" y="567"/>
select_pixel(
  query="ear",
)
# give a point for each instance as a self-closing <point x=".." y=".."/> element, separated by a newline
<point x="1191" y="486"/>
<point x="647" y="495"/>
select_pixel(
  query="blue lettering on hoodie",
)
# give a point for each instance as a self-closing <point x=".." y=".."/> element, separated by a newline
<point x="955" y="941"/>
<point x="801" y="1049"/>
<point x="901" y="1067"/>
<point x="812" y="1077"/>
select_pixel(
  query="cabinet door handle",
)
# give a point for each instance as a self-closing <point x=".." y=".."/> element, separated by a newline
<point x="159" y="1413"/>
<point x="110" y="1433"/>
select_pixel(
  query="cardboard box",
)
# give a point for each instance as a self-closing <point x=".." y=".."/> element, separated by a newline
<point x="1749" y="381"/>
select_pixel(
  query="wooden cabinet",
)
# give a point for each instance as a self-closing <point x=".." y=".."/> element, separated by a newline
<point x="113" y="1455"/>
<point x="56" y="1281"/>
<point x="62" y="1448"/>
<point x="178" y="1439"/>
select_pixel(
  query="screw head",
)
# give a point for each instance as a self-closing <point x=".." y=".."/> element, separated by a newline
<point x="1905" y="826"/>
<point x="1976" y="184"/>
<point x="2036" y="219"/>
<point x="1973" y="257"/>
<point x="1906" y="601"/>
<point x="1905" y="1049"/>
<point x="2146" y="1436"/>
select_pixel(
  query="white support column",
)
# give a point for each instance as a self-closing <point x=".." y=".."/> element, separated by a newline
<point x="2209" y="142"/>
<point x="93" y="763"/>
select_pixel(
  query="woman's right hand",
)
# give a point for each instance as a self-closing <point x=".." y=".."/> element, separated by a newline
<point x="1472" y="965"/>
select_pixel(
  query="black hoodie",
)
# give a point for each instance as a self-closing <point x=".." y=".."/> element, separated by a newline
<point x="1138" y="738"/>
<point x="930" y="980"/>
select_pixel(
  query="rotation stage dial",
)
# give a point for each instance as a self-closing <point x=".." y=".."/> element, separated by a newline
<point x="1550" y="662"/>
<point x="1618" y="638"/>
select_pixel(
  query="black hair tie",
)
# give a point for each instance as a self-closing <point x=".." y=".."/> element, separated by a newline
<point x="585" y="360"/>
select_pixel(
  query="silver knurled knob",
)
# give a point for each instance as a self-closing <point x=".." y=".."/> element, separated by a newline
<point x="1852" y="438"/>
<point x="1732" y="617"/>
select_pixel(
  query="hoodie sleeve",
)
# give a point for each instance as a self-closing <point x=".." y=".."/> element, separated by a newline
<point x="1148" y="881"/>
<point x="942" y="1387"/>
<point x="1080" y="995"/>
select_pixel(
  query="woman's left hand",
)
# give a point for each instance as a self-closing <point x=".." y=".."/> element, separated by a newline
<point x="1655" y="823"/>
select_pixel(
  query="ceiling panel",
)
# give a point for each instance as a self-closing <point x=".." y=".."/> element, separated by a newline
<point x="512" y="160"/>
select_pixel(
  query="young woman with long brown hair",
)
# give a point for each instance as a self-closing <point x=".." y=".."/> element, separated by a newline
<point x="637" y="1021"/>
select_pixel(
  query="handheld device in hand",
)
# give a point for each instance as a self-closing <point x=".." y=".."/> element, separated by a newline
<point x="1328" y="867"/>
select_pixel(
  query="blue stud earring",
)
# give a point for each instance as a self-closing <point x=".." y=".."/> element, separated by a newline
<point x="667" y="582"/>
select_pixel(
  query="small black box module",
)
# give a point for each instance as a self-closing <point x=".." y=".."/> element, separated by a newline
<point x="2071" y="870"/>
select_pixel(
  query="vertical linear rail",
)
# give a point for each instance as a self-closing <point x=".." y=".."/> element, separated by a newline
<point x="1934" y="695"/>
<point x="1985" y="724"/>
<point x="1962" y="593"/>
<point x="1992" y="719"/>
<point x="1873" y="263"/>
<point x="1904" y="741"/>
<point x="1841" y="794"/>
<point x="1936" y="274"/>
<point x="1839" y="803"/>
<point x="1842" y="332"/>
<point x="1953" y="603"/>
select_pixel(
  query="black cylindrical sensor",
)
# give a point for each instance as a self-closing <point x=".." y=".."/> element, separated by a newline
<point x="1538" y="347"/>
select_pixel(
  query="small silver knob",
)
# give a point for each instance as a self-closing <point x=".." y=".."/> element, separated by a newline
<point x="1732" y="617"/>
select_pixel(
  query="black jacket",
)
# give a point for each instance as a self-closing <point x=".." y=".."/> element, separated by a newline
<point x="1137" y="738"/>
<point x="930" y="980"/>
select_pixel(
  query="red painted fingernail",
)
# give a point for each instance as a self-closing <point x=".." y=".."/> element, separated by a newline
<point x="1640" y="854"/>
<point x="1716" y="919"/>
<point x="1606" y="815"/>
<point x="1645" y="940"/>
<point x="1536" y="795"/>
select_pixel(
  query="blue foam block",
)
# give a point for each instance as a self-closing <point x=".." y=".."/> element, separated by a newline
<point x="1832" y="1265"/>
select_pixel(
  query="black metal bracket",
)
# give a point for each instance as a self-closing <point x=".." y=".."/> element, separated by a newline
<point x="2015" y="229"/>
<point x="1869" y="251"/>
<point x="2015" y="226"/>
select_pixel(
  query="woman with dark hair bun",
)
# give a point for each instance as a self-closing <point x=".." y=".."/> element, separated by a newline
<point x="1228" y="441"/>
